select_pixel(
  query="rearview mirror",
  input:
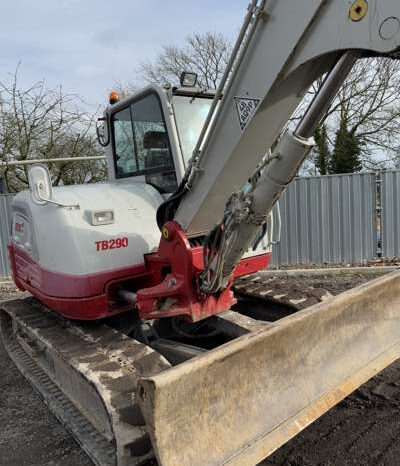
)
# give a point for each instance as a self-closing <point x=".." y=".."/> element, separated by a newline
<point x="41" y="188"/>
<point x="40" y="184"/>
<point x="102" y="132"/>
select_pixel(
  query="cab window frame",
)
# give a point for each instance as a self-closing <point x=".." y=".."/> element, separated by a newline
<point x="143" y="172"/>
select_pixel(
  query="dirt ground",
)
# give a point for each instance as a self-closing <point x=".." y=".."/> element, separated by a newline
<point x="29" y="434"/>
<point x="363" y="430"/>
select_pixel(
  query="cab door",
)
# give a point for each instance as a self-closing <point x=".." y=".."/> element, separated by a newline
<point x="141" y="144"/>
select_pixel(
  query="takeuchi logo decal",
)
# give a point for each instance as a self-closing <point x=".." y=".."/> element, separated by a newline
<point x="246" y="109"/>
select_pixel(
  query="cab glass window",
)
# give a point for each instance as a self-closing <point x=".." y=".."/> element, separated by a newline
<point x="141" y="144"/>
<point x="124" y="149"/>
<point x="190" y="114"/>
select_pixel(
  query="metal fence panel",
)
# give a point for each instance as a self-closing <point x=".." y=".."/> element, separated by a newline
<point x="390" y="213"/>
<point x="5" y="220"/>
<point x="328" y="219"/>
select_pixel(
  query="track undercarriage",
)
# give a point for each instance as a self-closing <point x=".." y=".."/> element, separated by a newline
<point x="90" y="374"/>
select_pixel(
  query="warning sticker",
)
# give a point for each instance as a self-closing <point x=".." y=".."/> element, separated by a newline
<point x="246" y="108"/>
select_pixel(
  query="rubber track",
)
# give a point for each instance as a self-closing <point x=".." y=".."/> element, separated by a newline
<point x="60" y="356"/>
<point x="289" y="293"/>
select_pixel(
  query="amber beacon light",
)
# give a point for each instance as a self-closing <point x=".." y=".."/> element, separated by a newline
<point x="114" y="97"/>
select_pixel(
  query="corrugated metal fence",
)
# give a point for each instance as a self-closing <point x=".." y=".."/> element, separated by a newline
<point x="5" y="219"/>
<point x="327" y="219"/>
<point x="390" y="189"/>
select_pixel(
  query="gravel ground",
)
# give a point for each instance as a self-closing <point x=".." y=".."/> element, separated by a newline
<point x="363" y="430"/>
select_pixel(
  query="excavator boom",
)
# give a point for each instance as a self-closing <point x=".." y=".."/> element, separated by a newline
<point x="286" y="47"/>
<point x="231" y="186"/>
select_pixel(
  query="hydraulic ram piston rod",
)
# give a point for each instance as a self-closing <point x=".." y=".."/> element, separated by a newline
<point x="284" y="164"/>
<point x="323" y="99"/>
<point x="294" y="147"/>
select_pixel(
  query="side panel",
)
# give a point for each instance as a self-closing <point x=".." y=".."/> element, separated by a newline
<point x="63" y="240"/>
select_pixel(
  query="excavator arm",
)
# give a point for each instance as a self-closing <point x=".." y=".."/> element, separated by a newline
<point x="285" y="47"/>
<point x="231" y="185"/>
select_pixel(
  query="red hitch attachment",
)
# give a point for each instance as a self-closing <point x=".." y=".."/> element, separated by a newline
<point x="176" y="267"/>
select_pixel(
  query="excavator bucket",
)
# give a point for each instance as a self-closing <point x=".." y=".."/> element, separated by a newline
<point x="237" y="404"/>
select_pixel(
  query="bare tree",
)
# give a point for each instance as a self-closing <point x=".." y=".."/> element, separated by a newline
<point x="205" y="54"/>
<point x="38" y="122"/>
<point x="368" y="105"/>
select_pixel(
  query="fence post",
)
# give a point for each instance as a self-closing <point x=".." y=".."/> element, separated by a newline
<point x="379" y="214"/>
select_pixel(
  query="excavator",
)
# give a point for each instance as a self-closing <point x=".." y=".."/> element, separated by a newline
<point x="134" y="335"/>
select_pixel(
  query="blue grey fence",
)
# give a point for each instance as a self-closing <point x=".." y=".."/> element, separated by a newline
<point x="5" y="220"/>
<point x="328" y="219"/>
<point x="390" y="219"/>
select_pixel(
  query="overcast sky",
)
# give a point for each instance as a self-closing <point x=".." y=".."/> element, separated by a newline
<point x="86" y="45"/>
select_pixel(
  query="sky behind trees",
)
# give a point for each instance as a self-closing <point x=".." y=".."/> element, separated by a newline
<point x="87" y="45"/>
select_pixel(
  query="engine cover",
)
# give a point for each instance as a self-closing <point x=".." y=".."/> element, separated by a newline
<point x="62" y="257"/>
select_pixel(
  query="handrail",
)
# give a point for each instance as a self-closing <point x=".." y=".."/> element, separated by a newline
<point x="12" y="163"/>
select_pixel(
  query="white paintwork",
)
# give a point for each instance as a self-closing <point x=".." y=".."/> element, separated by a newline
<point x="63" y="240"/>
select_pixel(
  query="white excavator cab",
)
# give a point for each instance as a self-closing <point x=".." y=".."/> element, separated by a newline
<point x="153" y="133"/>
